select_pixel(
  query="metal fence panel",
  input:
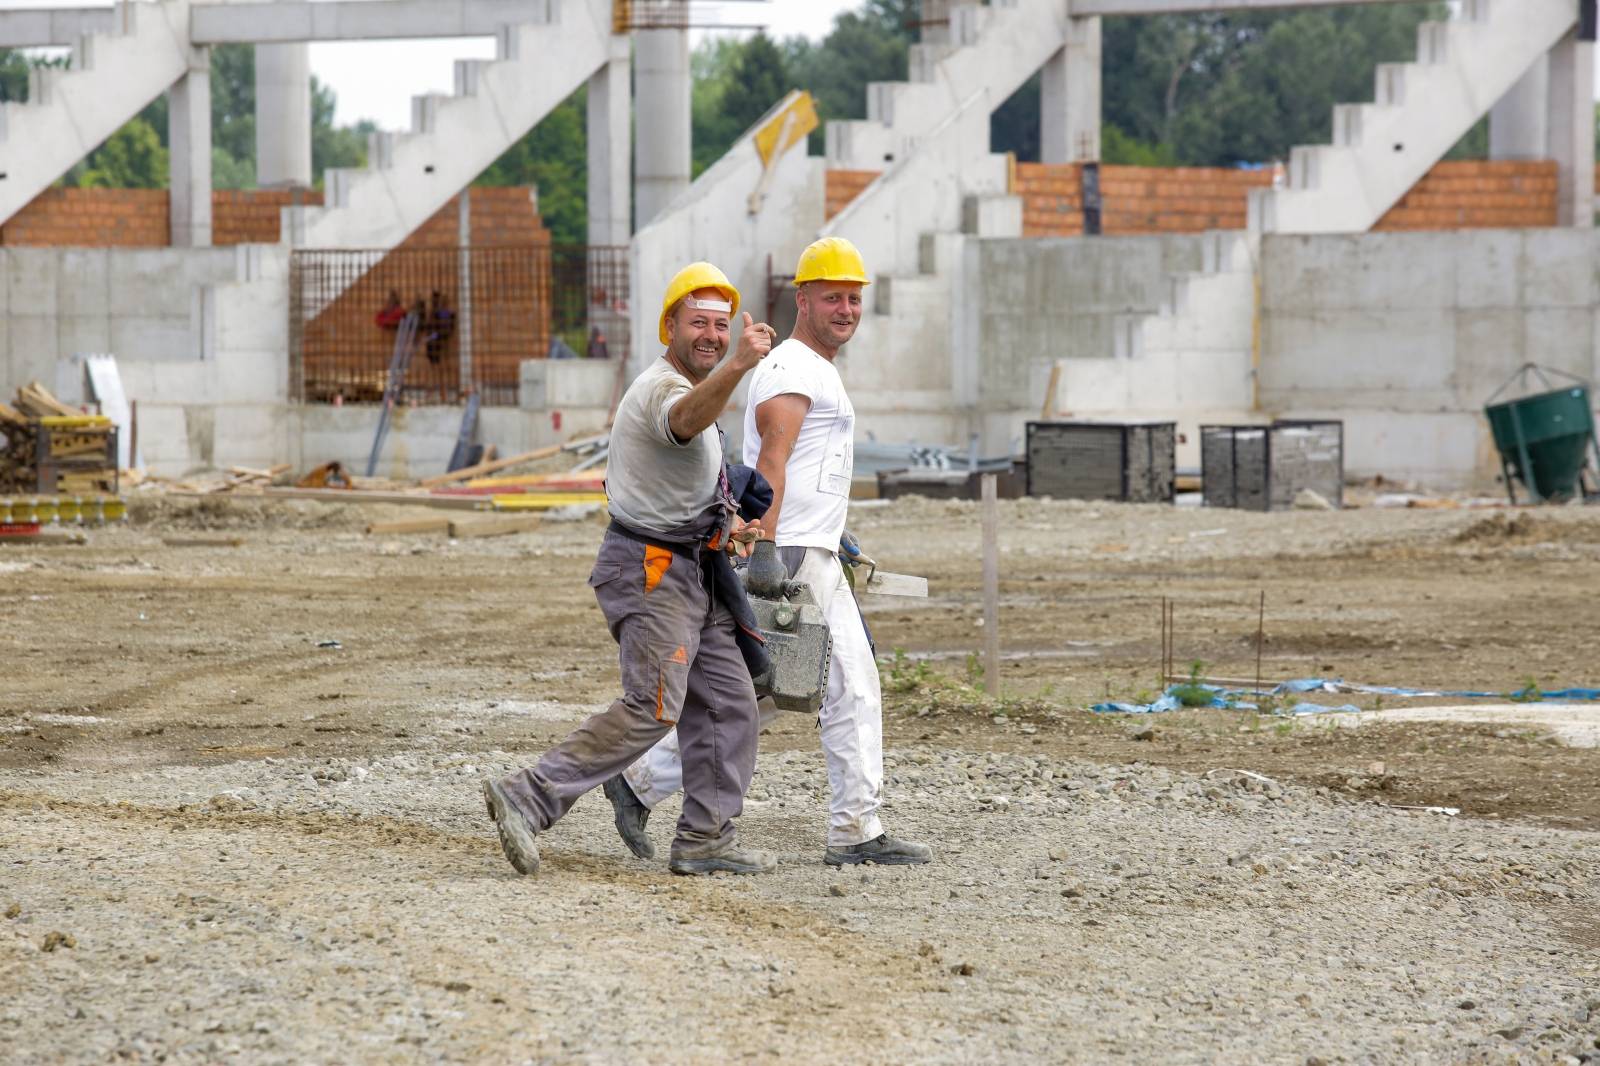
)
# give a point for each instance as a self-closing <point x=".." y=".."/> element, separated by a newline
<point x="483" y="311"/>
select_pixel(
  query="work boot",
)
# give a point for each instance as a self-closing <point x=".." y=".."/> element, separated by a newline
<point x="631" y="817"/>
<point x="516" y="835"/>
<point x="725" y="855"/>
<point x="882" y="849"/>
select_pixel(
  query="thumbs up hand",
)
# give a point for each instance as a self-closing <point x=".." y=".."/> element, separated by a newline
<point x="754" y="343"/>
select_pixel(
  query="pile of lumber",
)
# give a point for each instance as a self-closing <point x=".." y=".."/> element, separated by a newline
<point x="50" y="447"/>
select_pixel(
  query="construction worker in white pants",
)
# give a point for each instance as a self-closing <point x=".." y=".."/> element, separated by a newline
<point x="799" y="433"/>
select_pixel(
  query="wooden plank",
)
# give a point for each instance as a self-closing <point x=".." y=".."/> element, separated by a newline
<point x="411" y="525"/>
<point x="203" y="542"/>
<point x="418" y="499"/>
<point x="499" y="526"/>
<point x="1048" y="411"/>
<point x="542" y="501"/>
<point x="491" y="466"/>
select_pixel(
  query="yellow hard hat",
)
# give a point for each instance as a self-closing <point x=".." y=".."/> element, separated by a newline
<point x="690" y="279"/>
<point x="831" y="259"/>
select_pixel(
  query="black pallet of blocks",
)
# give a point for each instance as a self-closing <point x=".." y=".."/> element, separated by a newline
<point x="1131" y="461"/>
<point x="1263" y="468"/>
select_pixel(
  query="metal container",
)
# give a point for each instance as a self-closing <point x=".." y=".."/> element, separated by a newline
<point x="1545" y="441"/>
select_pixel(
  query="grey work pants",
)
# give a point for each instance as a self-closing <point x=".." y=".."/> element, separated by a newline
<point x="680" y="667"/>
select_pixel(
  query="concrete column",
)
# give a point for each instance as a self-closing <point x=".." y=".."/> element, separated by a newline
<point x="189" y="151"/>
<point x="661" y="117"/>
<point x="283" y="115"/>
<point x="1572" y="129"/>
<point x="935" y="28"/>
<point x="1069" y="104"/>
<point x="610" y="148"/>
<point x="1519" y="123"/>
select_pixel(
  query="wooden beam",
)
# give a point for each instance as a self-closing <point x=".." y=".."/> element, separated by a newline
<point x="440" y="524"/>
<point x="469" y="472"/>
<point x="499" y="526"/>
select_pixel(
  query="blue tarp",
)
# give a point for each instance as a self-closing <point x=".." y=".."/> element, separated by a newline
<point x="1239" y="699"/>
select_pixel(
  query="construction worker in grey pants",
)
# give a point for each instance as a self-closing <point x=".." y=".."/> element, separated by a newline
<point x="799" y="432"/>
<point x="681" y="657"/>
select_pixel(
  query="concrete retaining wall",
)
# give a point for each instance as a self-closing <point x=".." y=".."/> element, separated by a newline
<point x="138" y="304"/>
<point x="1405" y="336"/>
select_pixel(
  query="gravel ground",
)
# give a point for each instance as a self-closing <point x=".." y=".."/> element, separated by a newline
<point x="220" y="843"/>
<point x="292" y="910"/>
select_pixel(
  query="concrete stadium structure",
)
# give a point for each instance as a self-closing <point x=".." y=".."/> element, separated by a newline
<point x="1303" y="311"/>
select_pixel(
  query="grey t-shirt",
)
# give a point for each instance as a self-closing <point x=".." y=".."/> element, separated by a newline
<point x="655" y="482"/>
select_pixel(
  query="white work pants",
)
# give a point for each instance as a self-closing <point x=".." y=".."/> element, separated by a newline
<point x="851" y="719"/>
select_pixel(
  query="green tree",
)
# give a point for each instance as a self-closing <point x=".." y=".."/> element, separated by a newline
<point x="132" y="158"/>
<point x="554" y="158"/>
<point x="332" y="146"/>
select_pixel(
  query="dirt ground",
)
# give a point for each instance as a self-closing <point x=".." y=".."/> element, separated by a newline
<point x="241" y="820"/>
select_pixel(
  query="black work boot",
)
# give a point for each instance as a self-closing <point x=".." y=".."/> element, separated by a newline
<point x="882" y="849"/>
<point x="631" y="817"/>
<point x="726" y="855"/>
<point x="516" y="835"/>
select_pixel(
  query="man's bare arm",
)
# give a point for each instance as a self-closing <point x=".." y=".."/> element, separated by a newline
<point x="706" y="401"/>
<point x="778" y="421"/>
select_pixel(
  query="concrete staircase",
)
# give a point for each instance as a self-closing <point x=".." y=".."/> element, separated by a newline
<point x="915" y="219"/>
<point x="454" y="138"/>
<point x="1421" y="109"/>
<point x="991" y="48"/>
<point x="71" y="111"/>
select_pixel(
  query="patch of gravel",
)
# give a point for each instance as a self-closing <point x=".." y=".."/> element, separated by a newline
<point x="357" y="909"/>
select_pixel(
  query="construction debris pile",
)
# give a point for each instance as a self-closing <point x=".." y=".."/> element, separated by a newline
<point x="485" y="486"/>
<point x="52" y="449"/>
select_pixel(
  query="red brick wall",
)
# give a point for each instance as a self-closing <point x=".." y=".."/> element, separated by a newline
<point x="1143" y="200"/>
<point x="511" y="307"/>
<point x="92" y="218"/>
<point x="1136" y="200"/>
<point x="1478" y="195"/>
<point x="845" y="185"/>
<point x="251" y="216"/>
<point x="140" y="218"/>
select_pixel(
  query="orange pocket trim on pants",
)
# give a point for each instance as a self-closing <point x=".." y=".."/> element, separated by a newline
<point x="656" y="561"/>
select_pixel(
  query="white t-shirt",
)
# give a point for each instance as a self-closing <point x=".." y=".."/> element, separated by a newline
<point x="816" y="493"/>
<point x="654" y="481"/>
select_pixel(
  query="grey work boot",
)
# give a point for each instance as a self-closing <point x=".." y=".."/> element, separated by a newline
<point x="882" y="849"/>
<point x="631" y="817"/>
<point x="728" y="855"/>
<point x="516" y="835"/>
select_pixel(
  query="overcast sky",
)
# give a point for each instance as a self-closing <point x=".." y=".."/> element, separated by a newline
<point x="377" y="80"/>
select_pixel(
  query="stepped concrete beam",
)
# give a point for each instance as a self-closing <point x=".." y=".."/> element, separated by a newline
<point x="1422" y="108"/>
<point x="283" y="115"/>
<point x="1572" y="128"/>
<point x="267" y="21"/>
<point x="555" y="49"/>
<point x="352" y="20"/>
<point x="189" y="141"/>
<point x="992" y="50"/>
<point x="1084" y="8"/>
<point x="662" y="123"/>
<point x="53" y="28"/>
<point x="610" y="148"/>
<point x="1519" y="125"/>
<point x="71" y="112"/>
<point x="1069" y="103"/>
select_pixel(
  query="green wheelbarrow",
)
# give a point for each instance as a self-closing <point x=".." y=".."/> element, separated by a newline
<point x="1544" y="439"/>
